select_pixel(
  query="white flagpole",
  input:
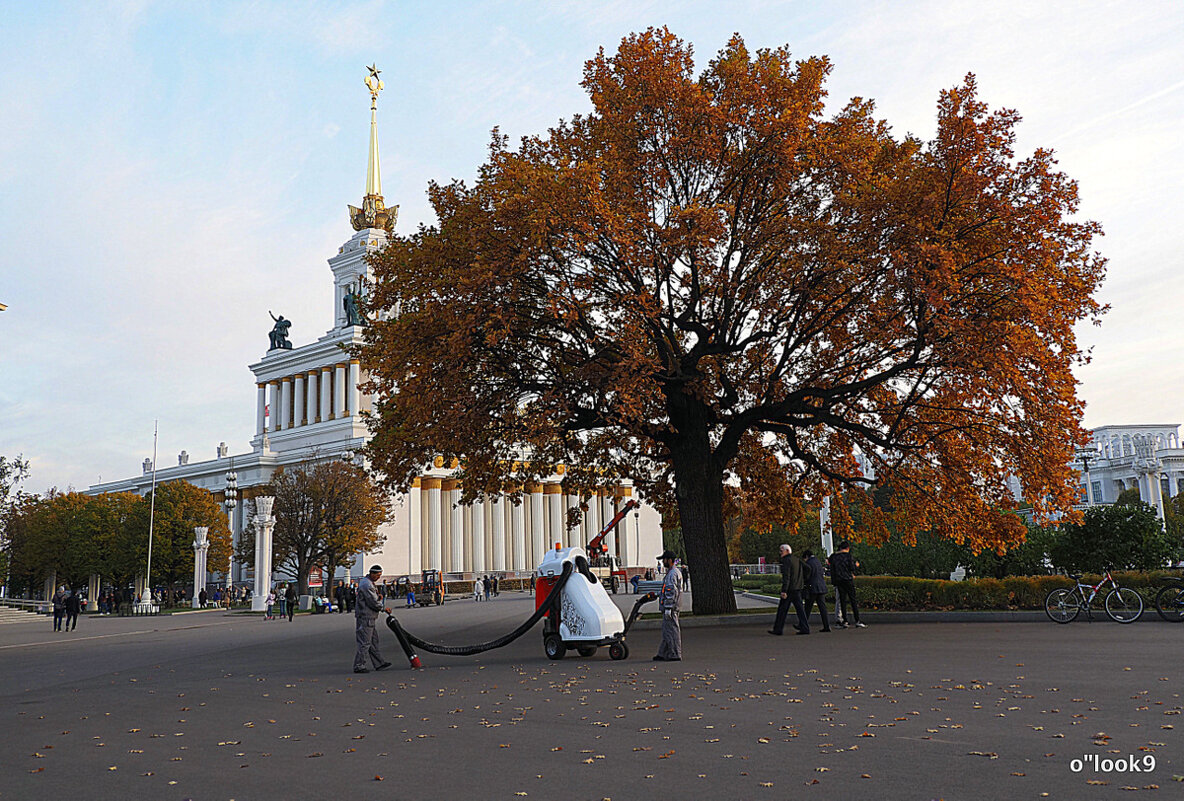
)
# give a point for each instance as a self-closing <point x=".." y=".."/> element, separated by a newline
<point x="151" y="513"/>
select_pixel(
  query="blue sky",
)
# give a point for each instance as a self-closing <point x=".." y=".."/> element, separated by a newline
<point x="170" y="171"/>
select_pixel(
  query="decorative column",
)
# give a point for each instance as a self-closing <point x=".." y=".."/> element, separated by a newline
<point x="497" y="523"/>
<point x="414" y="528"/>
<point x="260" y="408"/>
<point x="313" y="410"/>
<point x="456" y="527"/>
<point x="201" y="547"/>
<point x="326" y="393"/>
<point x="354" y="405"/>
<point x="264" y="525"/>
<point x="828" y="542"/>
<point x="538" y="535"/>
<point x="273" y="405"/>
<point x="435" y="535"/>
<point x="285" y="420"/>
<point x="477" y="527"/>
<point x="553" y="491"/>
<point x="93" y="587"/>
<point x="518" y="530"/>
<point x="339" y="409"/>
<point x="298" y="418"/>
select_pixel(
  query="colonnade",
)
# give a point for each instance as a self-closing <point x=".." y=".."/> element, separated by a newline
<point x="507" y="532"/>
<point x="309" y="397"/>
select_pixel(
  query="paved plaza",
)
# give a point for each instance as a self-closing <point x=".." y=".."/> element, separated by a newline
<point x="215" y="706"/>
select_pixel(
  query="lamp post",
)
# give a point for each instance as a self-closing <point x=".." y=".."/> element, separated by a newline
<point x="230" y="501"/>
<point x="1085" y="457"/>
<point x="264" y="525"/>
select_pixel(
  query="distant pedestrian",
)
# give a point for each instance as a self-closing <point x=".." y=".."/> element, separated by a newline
<point x="410" y="595"/>
<point x="477" y="590"/>
<point x="816" y="588"/>
<point x="635" y="581"/>
<point x="686" y="578"/>
<point x="270" y="604"/>
<point x="842" y="574"/>
<point x="59" y="608"/>
<point x="339" y="598"/>
<point x="290" y="597"/>
<point x="73" y="607"/>
<point x="351" y="598"/>
<point x="793" y="582"/>
<point x="487" y="586"/>
<point x="495" y="587"/>
<point x="202" y="597"/>
<point x="670" y="649"/>
<point x="365" y="615"/>
<point x="532" y="583"/>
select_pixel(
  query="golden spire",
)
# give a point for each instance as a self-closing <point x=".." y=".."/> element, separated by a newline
<point x="373" y="213"/>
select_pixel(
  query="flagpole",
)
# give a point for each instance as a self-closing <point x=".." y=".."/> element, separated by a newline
<point x="151" y="514"/>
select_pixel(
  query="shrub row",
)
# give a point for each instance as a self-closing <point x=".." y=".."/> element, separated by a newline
<point x="904" y="593"/>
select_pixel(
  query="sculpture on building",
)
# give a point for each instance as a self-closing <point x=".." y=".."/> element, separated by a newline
<point x="351" y="302"/>
<point x="279" y="334"/>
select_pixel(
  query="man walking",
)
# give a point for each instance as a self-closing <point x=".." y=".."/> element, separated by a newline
<point x="793" y="581"/>
<point x="290" y="597"/>
<point x="842" y="575"/>
<point x="816" y="588"/>
<point x="59" y="608"/>
<point x="670" y="649"/>
<point x="365" y="614"/>
<point x="73" y="607"/>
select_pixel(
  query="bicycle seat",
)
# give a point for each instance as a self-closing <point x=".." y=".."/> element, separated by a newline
<point x="1075" y="576"/>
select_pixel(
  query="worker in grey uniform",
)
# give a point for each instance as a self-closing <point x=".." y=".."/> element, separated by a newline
<point x="670" y="650"/>
<point x="365" y="614"/>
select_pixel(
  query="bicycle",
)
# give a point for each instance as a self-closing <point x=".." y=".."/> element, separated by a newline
<point x="1169" y="601"/>
<point x="1122" y="604"/>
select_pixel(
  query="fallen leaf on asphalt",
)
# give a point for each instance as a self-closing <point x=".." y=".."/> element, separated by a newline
<point x="377" y="778"/>
<point x="988" y="754"/>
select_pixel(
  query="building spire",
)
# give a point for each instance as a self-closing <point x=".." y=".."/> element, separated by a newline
<point x="373" y="212"/>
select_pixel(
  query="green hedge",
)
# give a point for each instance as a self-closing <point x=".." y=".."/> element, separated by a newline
<point x="1017" y="592"/>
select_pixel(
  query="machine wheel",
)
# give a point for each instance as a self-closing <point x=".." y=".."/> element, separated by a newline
<point x="1124" y="605"/>
<point x="618" y="651"/>
<point x="554" y="647"/>
<point x="616" y="585"/>
<point x="1061" y="605"/>
<point x="586" y="650"/>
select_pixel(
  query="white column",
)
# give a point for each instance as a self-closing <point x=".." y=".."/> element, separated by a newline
<point x="518" y="531"/>
<point x="477" y="527"/>
<point x="273" y="405"/>
<point x="339" y="391"/>
<point x="93" y="587"/>
<point x="326" y="393"/>
<point x="414" y="528"/>
<point x="456" y="528"/>
<point x="435" y="535"/>
<point x="285" y="403"/>
<point x="355" y="377"/>
<point x="497" y="522"/>
<point x="313" y="410"/>
<point x="595" y="524"/>
<point x="298" y="411"/>
<point x="607" y="510"/>
<point x="264" y="525"/>
<point x="200" y="547"/>
<point x="538" y="539"/>
<point x="260" y="408"/>
<point x="555" y="530"/>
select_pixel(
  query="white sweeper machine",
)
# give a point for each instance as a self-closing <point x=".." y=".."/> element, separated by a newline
<point x="570" y="599"/>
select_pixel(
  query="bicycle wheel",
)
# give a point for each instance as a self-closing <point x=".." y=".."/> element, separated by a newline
<point x="1124" y="605"/>
<point x="1062" y="605"/>
<point x="1169" y="602"/>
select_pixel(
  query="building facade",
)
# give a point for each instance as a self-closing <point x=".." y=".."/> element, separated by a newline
<point x="1121" y="457"/>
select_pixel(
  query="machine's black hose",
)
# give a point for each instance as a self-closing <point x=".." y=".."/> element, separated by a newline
<point x="645" y="599"/>
<point x="468" y="650"/>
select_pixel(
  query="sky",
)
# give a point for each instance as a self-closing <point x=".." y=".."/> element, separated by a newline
<point x="170" y="172"/>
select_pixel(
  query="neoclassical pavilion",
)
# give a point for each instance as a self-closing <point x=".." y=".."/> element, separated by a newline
<point x="308" y="407"/>
<point x="1121" y="457"/>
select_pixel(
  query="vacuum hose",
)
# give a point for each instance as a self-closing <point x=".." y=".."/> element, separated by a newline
<point x="407" y="639"/>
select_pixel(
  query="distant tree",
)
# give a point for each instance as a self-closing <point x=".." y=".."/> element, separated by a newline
<point x="121" y="531"/>
<point x="55" y="535"/>
<point x="705" y="283"/>
<point x="180" y="507"/>
<point x="1126" y="536"/>
<point x="1028" y="559"/>
<point x="1128" y="497"/>
<point x="12" y="473"/>
<point x="325" y="511"/>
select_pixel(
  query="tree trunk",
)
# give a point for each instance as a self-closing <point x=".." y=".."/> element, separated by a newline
<point x="700" y="507"/>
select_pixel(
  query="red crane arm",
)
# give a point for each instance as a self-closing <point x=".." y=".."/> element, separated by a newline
<point x="596" y="546"/>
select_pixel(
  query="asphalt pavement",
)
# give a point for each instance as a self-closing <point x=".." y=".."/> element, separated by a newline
<point x="216" y="706"/>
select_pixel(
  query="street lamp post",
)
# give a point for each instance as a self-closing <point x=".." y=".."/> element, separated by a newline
<point x="230" y="501"/>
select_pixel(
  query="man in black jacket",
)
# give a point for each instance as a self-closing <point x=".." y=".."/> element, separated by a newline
<point x="842" y="575"/>
<point x="793" y="581"/>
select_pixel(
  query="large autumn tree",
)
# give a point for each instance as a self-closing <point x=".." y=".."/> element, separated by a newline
<point x="709" y="285"/>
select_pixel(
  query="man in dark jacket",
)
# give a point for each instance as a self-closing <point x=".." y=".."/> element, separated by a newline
<point x="816" y="588"/>
<point x="842" y="575"/>
<point x="73" y="607"/>
<point x="290" y="597"/>
<point x="793" y="581"/>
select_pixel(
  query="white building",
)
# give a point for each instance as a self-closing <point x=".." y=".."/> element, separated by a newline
<point x="1144" y="457"/>
<point x="308" y="407"/>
